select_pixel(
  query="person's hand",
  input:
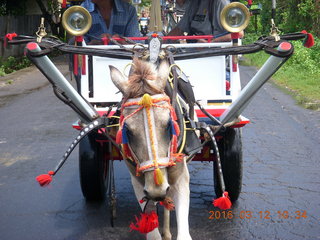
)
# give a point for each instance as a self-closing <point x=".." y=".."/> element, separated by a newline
<point x="123" y="42"/>
<point x="202" y="41"/>
<point x="109" y="36"/>
<point x="104" y="38"/>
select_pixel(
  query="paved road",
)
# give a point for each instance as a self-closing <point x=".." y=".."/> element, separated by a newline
<point x="281" y="173"/>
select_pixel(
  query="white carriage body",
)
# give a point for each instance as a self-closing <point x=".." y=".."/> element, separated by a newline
<point x="207" y="75"/>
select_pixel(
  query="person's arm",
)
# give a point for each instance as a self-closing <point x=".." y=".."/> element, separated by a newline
<point x="132" y="27"/>
<point x="227" y="38"/>
<point x="175" y="32"/>
<point x="184" y="24"/>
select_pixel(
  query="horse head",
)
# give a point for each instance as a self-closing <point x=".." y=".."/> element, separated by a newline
<point x="148" y="130"/>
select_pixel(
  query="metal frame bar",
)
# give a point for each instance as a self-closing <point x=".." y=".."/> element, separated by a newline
<point x="85" y="111"/>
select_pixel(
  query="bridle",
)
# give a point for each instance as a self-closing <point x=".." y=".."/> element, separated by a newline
<point x="147" y="104"/>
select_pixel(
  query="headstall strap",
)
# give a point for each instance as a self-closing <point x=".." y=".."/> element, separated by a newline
<point x="147" y="104"/>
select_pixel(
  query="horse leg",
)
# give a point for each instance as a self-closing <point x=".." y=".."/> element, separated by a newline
<point x="138" y="190"/>
<point x="180" y="192"/>
<point x="166" y="225"/>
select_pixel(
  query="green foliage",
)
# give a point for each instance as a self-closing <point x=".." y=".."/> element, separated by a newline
<point x="291" y="16"/>
<point x="2" y="73"/>
<point x="145" y="3"/>
<point x="13" y="64"/>
<point x="306" y="59"/>
<point x="300" y="74"/>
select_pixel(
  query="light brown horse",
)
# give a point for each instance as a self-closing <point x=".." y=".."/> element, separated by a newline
<point x="146" y="117"/>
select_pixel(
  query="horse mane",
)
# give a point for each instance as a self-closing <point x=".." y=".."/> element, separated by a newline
<point x="140" y="80"/>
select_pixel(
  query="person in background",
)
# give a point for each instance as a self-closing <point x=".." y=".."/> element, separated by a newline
<point x="203" y="18"/>
<point x="182" y="6"/>
<point x="144" y="22"/>
<point x="111" y="18"/>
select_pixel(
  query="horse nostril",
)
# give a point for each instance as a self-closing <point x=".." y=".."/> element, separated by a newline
<point x="168" y="188"/>
<point x="146" y="193"/>
<point x="158" y="199"/>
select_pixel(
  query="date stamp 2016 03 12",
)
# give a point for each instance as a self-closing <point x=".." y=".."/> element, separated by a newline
<point x="265" y="214"/>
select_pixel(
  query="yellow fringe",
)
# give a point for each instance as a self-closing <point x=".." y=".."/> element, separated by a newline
<point x="146" y="101"/>
<point x="158" y="176"/>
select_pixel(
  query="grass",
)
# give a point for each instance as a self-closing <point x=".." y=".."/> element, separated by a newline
<point x="12" y="64"/>
<point x="300" y="75"/>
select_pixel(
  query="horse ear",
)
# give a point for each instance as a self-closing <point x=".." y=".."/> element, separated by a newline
<point x="163" y="74"/>
<point x="118" y="79"/>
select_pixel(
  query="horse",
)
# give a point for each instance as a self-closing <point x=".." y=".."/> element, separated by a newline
<point x="148" y="134"/>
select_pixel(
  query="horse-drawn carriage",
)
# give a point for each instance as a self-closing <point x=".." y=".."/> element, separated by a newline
<point x="177" y="103"/>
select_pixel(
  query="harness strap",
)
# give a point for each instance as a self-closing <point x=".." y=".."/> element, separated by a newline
<point x="149" y="165"/>
<point x="207" y="129"/>
<point x="175" y="80"/>
<point x="96" y="124"/>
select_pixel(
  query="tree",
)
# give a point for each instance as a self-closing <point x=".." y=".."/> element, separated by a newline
<point x="12" y="7"/>
<point x="47" y="12"/>
<point x="292" y="15"/>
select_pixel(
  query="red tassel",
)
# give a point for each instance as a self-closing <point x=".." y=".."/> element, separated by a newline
<point x="119" y="137"/>
<point x="223" y="202"/>
<point x="168" y="204"/>
<point x="177" y="157"/>
<point x="309" y="41"/>
<point x="121" y="119"/>
<point x="9" y="36"/>
<point x="176" y="128"/>
<point x="64" y="4"/>
<point x="147" y="222"/>
<point x="173" y="115"/>
<point x="45" y="179"/>
<point x="126" y="151"/>
<point x="174" y="144"/>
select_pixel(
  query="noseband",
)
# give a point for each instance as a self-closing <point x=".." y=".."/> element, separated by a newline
<point x="147" y="104"/>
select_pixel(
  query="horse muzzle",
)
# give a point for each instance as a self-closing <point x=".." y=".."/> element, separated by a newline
<point x="156" y="195"/>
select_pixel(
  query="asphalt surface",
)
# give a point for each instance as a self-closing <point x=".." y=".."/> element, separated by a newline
<point x="281" y="182"/>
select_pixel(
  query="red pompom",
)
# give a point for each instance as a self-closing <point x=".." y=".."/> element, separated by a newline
<point x="147" y="222"/>
<point x="10" y="36"/>
<point x="309" y="41"/>
<point x="223" y="202"/>
<point x="119" y="137"/>
<point x="45" y="179"/>
<point x="168" y="204"/>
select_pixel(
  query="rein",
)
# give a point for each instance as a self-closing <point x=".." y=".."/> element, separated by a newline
<point x="147" y="104"/>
